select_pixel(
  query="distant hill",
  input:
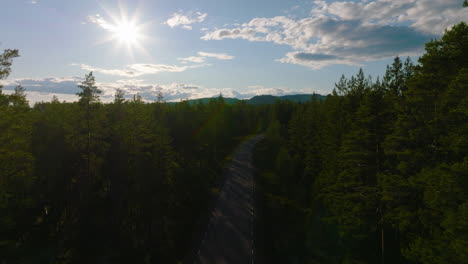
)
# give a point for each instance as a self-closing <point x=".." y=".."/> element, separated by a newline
<point x="206" y="100"/>
<point x="270" y="99"/>
<point x="265" y="99"/>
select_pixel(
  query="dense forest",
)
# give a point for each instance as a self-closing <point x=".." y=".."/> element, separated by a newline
<point x="125" y="182"/>
<point x="376" y="172"/>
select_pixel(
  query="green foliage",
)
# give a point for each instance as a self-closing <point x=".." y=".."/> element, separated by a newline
<point x="16" y="175"/>
<point x="6" y="59"/>
<point x="89" y="91"/>
<point x="124" y="182"/>
<point x="380" y="166"/>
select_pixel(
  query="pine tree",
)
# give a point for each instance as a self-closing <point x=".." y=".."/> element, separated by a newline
<point x="88" y="96"/>
<point x="6" y="60"/>
<point x="119" y="96"/>
<point x="420" y="185"/>
<point x="17" y="203"/>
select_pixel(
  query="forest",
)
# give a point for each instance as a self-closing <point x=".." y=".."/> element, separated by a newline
<point x="375" y="172"/>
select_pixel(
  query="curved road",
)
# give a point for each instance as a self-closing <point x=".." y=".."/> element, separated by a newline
<point x="229" y="235"/>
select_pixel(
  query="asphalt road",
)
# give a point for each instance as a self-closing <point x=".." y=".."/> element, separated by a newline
<point x="230" y="232"/>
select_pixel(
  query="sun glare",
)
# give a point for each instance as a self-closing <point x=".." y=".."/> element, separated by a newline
<point x="126" y="32"/>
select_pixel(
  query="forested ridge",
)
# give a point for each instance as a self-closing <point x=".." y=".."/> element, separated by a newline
<point x="374" y="173"/>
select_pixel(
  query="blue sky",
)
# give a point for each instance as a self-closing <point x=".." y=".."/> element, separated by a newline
<point x="190" y="49"/>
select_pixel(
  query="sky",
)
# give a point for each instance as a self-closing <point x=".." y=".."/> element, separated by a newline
<point x="193" y="49"/>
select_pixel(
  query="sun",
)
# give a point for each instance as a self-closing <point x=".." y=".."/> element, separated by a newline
<point x="126" y="32"/>
<point x="123" y="30"/>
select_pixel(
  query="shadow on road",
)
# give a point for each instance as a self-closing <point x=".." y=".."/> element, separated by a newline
<point x="229" y="235"/>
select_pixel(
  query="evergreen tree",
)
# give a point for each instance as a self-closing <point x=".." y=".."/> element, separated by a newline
<point x="17" y="203"/>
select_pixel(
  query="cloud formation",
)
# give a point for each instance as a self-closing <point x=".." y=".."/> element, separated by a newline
<point x="98" y="20"/>
<point x="423" y="15"/>
<point x="66" y="85"/>
<point x="37" y="97"/>
<point x="219" y="56"/>
<point x="202" y="56"/>
<point x="186" y="20"/>
<point x="345" y="32"/>
<point x="65" y="89"/>
<point x="139" y="69"/>
<point x="193" y="59"/>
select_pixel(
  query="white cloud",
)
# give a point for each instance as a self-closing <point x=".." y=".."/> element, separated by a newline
<point x="236" y="33"/>
<point x="50" y="85"/>
<point x="345" y="32"/>
<point x="139" y="69"/>
<point x="179" y="91"/>
<point x="424" y="15"/>
<point x="186" y="20"/>
<point x="65" y="89"/>
<point x="194" y="59"/>
<point x="202" y="56"/>
<point x="313" y="60"/>
<point x="33" y="2"/>
<point x="37" y="97"/>
<point x="98" y="20"/>
<point x="219" y="56"/>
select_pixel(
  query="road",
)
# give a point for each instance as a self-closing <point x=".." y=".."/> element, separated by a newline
<point x="229" y="237"/>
